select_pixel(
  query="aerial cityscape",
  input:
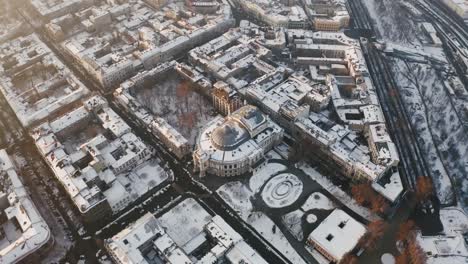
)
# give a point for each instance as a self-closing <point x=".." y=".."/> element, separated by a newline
<point x="234" y="131"/>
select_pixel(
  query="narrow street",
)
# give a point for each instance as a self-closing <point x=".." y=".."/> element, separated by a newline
<point x="40" y="183"/>
<point x="76" y="240"/>
<point x="91" y="242"/>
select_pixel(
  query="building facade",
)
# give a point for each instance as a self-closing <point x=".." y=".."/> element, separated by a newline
<point x="23" y="231"/>
<point x="236" y="145"/>
<point x="102" y="165"/>
<point x="225" y="100"/>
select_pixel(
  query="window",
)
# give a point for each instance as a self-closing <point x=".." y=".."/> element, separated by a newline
<point x="342" y="224"/>
<point x="329" y="237"/>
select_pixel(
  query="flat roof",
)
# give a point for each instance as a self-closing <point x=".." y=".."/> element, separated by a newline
<point x="338" y="234"/>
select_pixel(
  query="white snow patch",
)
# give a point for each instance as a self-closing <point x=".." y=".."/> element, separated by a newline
<point x="271" y="232"/>
<point x="185" y="221"/>
<point x="318" y="201"/>
<point x="293" y="222"/>
<point x="338" y="193"/>
<point x="449" y="247"/>
<point x="282" y="190"/>
<point x="444" y="249"/>
<point x="237" y="196"/>
<point x="258" y="179"/>
<point x="311" y="218"/>
<point x="273" y="155"/>
<point x="454" y="220"/>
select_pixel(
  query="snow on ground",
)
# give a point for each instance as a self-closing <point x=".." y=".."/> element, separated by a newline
<point x="282" y="190"/>
<point x="338" y="193"/>
<point x="293" y="222"/>
<point x="311" y="218"/>
<point x="389" y="22"/>
<point x="434" y="110"/>
<point x="273" y="155"/>
<point x="174" y="100"/>
<point x="417" y="112"/>
<point x="454" y="220"/>
<point x="450" y="246"/>
<point x="62" y="237"/>
<point x="444" y="249"/>
<point x="73" y="141"/>
<point x="283" y="150"/>
<point x="47" y="209"/>
<point x="441" y="135"/>
<point x="259" y="178"/>
<point x="271" y="232"/>
<point x="237" y="196"/>
<point x="318" y="201"/>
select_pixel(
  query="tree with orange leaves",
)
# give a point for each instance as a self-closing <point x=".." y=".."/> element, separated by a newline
<point x="379" y="204"/>
<point x="377" y="227"/>
<point x="415" y="253"/>
<point x="403" y="258"/>
<point x="404" y="231"/>
<point x="182" y="92"/>
<point x="424" y="188"/>
<point x="349" y="259"/>
<point x="375" y="231"/>
<point x="182" y="89"/>
<point x="362" y="193"/>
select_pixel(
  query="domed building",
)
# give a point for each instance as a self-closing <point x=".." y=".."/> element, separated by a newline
<point x="236" y="145"/>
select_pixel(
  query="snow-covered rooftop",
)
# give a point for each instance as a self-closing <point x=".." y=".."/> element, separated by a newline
<point x="32" y="231"/>
<point x="276" y="12"/>
<point x="114" y="39"/>
<point x="338" y="234"/>
<point x="175" y="235"/>
<point x="80" y="153"/>
<point x="236" y="139"/>
<point x="35" y="83"/>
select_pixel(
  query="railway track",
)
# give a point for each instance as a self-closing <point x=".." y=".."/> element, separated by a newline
<point x="361" y="19"/>
<point x="398" y="122"/>
<point x="442" y="17"/>
<point x="397" y="118"/>
<point x="453" y="33"/>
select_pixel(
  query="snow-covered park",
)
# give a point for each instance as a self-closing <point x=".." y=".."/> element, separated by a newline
<point x="282" y="190"/>
<point x="283" y="204"/>
<point x="179" y="104"/>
